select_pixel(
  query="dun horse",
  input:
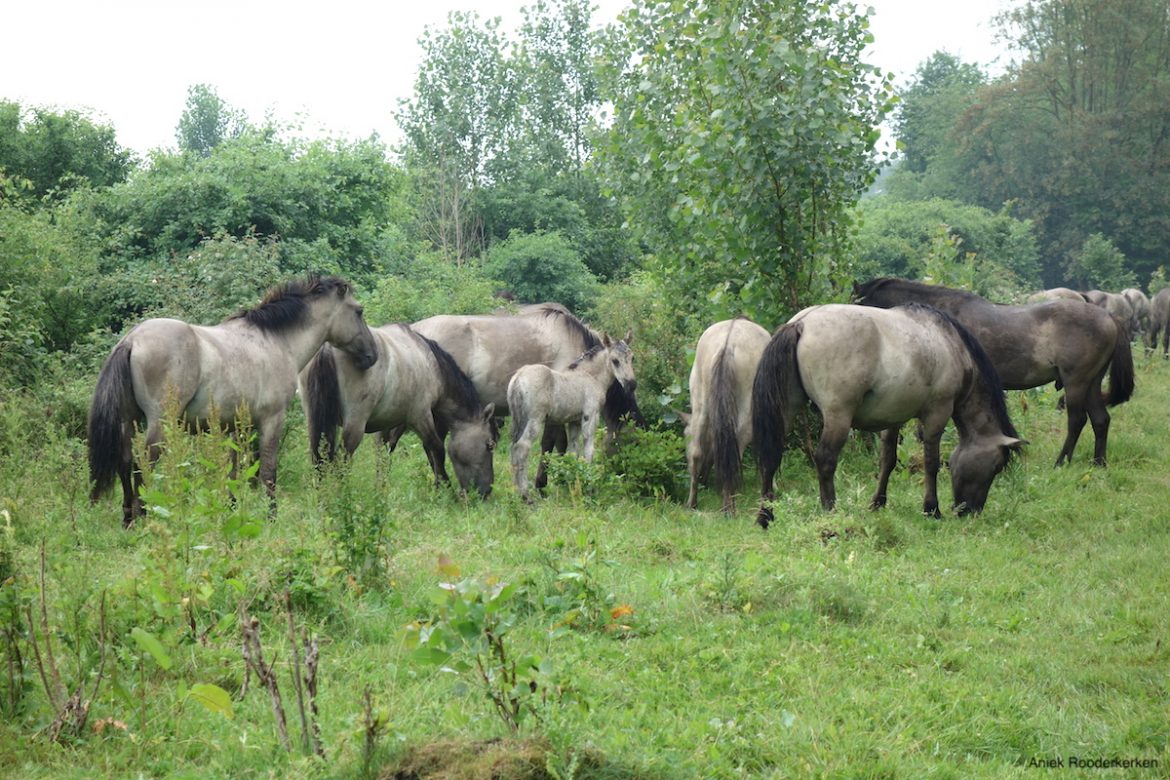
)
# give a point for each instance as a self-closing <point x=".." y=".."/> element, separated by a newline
<point x="1070" y="342"/>
<point x="1159" y="322"/>
<point x="538" y="395"/>
<point x="491" y="348"/>
<point x="720" y="425"/>
<point x="413" y="383"/>
<point x="250" y="360"/>
<point x="873" y="370"/>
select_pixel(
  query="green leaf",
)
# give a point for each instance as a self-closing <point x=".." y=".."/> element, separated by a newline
<point x="213" y="698"/>
<point x="150" y="644"/>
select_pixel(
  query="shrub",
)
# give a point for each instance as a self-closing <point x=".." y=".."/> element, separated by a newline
<point x="538" y="267"/>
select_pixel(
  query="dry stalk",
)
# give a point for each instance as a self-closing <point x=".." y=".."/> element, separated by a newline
<point x="254" y="659"/>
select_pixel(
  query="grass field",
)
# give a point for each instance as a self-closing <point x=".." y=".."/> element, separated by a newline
<point x="665" y="643"/>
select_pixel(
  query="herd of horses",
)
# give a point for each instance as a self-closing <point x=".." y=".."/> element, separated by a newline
<point x="903" y="351"/>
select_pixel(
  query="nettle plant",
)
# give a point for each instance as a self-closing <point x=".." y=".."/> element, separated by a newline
<point x="470" y="635"/>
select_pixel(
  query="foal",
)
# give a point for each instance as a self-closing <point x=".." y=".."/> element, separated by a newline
<point x="574" y="397"/>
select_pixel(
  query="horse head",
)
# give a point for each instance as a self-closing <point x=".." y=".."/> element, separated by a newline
<point x="974" y="465"/>
<point x="347" y="329"/>
<point x="621" y="361"/>
<point x="470" y="447"/>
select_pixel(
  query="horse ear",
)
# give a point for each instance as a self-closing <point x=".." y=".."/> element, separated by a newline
<point x="684" y="416"/>
<point x="629" y="339"/>
<point x="489" y="412"/>
<point x="605" y="342"/>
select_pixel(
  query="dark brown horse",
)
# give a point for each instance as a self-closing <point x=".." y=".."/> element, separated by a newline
<point x="1069" y="342"/>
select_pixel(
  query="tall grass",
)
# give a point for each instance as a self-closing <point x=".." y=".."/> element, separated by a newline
<point x="850" y="644"/>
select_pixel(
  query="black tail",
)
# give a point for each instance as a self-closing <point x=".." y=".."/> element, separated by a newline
<point x="1121" y="373"/>
<point x="725" y="421"/>
<point x="322" y="403"/>
<point x="107" y="426"/>
<point x="776" y="394"/>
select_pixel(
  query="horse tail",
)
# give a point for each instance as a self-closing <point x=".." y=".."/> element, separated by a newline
<point x="322" y="400"/>
<point x="106" y="428"/>
<point x="725" y="422"/>
<point x="1121" y="373"/>
<point x="775" y="393"/>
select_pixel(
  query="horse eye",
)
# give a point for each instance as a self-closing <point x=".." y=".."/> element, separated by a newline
<point x="615" y="362"/>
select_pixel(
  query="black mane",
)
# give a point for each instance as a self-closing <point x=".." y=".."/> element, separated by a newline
<point x="284" y="305"/>
<point x="987" y="373"/>
<point x="457" y="385"/>
<point x="587" y="336"/>
<point x="902" y="290"/>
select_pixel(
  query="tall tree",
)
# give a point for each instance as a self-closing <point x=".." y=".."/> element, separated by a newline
<point x="1079" y="132"/>
<point x="55" y="151"/>
<point x="743" y="131"/>
<point x="207" y="121"/>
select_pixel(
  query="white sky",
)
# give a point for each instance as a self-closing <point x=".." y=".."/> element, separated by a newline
<point x="336" y="68"/>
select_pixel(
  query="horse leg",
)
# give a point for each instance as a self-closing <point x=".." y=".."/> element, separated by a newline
<point x="433" y="445"/>
<point x="931" y="461"/>
<point x="833" y="437"/>
<point x="131" y="479"/>
<point x="1077" y="416"/>
<point x="587" y="430"/>
<point x="1099" y="419"/>
<point x="521" y="447"/>
<point x="268" y="436"/>
<point x="887" y="459"/>
<point x="554" y="437"/>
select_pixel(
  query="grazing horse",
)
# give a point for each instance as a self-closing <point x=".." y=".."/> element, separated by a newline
<point x="720" y="423"/>
<point x="1070" y="342"/>
<point x="491" y="348"/>
<point x="1116" y="304"/>
<point x="873" y="370"/>
<point x="1055" y="294"/>
<point x="538" y="395"/>
<point x="1159" y="322"/>
<point x="1141" y="309"/>
<point x="413" y="383"/>
<point x="249" y="360"/>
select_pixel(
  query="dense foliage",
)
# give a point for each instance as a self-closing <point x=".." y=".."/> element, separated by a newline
<point x="742" y="133"/>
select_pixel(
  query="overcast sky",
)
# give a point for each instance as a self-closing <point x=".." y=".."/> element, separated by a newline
<point x="336" y="68"/>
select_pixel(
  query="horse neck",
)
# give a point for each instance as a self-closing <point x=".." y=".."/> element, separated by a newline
<point x="975" y="411"/>
<point x="596" y="367"/>
<point x="303" y="339"/>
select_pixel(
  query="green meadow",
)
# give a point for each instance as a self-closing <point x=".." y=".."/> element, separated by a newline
<point x="605" y="632"/>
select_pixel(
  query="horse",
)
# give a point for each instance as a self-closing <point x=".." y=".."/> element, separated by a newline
<point x="1140" y="304"/>
<point x="574" y="397"/>
<point x="415" y="383"/>
<point x="1116" y="304"/>
<point x="249" y="361"/>
<point x="874" y="369"/>
<point x="1070" y="342"/>
<point x="719" y="427"/>
<point x="1054" y="294"/>
<point x="491" y="348"/>
<point x="1159" y="322"/>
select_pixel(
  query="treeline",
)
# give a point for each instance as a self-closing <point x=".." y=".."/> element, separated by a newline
<point x="684" y="165"/>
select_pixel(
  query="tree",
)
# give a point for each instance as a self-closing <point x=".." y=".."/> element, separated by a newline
<point x="56" y="152"/>
<point x="1078" y="133"/>
<point x="742" y="133"/>
<point x="538" y="267"/>
<point x="1099" y="265"/>
<point x="207" y="121"/>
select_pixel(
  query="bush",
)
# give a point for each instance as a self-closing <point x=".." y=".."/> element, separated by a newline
<point x="429" y="285"/>
<point x="537" y="267"/>
<point x="650" y="463"/>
